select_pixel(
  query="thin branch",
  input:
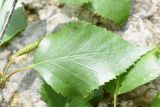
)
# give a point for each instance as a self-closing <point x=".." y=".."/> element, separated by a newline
<point x="25" y="68"/>
<point x="21" y="70"/>
<point x="8" y="19"/>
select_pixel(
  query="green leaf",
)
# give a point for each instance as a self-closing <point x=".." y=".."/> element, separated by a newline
<point x="17" y="23"/>
<point x="82" y="57"/>
<point x="145" y="70"/>
<point x="96" y="96"/>
<point x="78" y="102"/>
<point x="156" y="101"/>
<point x="56" y="100"/>
<point x="114" y="85"/>
<point x="51" y="97"/>
<point x="116" y="11"/>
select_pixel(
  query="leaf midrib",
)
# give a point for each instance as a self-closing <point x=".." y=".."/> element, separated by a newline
<point x="80" y="55"/>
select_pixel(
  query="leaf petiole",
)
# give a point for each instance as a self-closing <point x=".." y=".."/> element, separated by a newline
<point x="20" y="70"/>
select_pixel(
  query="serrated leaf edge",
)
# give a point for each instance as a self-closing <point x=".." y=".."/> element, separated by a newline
<point x="114" y="77"/>
<point x="155" y="49"/>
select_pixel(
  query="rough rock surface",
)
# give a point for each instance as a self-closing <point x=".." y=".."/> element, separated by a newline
<point x="45" y="17"/>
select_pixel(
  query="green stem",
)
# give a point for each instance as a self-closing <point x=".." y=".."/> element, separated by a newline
<point x="115" y="100"/>
<point x="25" y="68"/>
<point x="67" y="104"/>
<point x="20" y="70"/>
<point x="116" y="91"/>
<point x="9" y="64"/>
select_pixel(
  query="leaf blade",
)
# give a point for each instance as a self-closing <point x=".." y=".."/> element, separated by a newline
<point x="56" y="100"/>
<point x="143" y="71"/>
<point x="146" y="69"/>
<point x="116" y="11"/>
<point x="156" y="101"/>
<point x="77" y="64"/>
<point x="17" y="23"/>
<point x="51" y="97"/>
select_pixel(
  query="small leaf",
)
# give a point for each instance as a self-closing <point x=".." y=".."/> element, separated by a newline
<point x="17" y="23"/>
<point x="51" y="97"/>
<point x="82" y="57"/>
<point x="156" y="101"/>
<point x="116" y="11"/>
<point x="56" y="100"/>
<point x="144" y="71"/>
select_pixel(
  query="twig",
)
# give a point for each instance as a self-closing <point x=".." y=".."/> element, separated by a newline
<point x="21" y="70"/>
<point x="26" y="68"/>
<point x="7" y="20"/>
